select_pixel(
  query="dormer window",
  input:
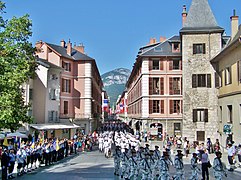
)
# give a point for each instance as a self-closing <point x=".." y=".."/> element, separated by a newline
<point x="176" y="47"/>
<point x="66" y="66"/>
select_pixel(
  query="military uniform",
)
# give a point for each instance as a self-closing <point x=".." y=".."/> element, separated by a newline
<point x="218" y="167"/>
<point x="117" y="159"/>
<point x="133" y="166"/>
<point x="146" y="171"/>
<point x="178" y="163"/>
<point x="194" y="167"/>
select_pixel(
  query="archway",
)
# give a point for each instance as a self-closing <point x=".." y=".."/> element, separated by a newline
<point x="156" y="131"/>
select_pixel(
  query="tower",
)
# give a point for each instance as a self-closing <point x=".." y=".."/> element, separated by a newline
<point x="201" y="39"/>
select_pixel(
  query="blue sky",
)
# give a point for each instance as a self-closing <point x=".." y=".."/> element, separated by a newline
<point x="112" y="31"/>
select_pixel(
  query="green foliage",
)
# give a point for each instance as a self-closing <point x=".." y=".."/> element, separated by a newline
<point x="114" y="91"/>
<point x="17" y="65"/>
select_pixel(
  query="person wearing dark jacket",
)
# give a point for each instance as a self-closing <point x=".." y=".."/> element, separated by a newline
<point x="4" y="164"/>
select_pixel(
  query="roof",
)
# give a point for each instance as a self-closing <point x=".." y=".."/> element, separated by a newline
<point x="47" y="64"/>
<point x="75" y="55"/>
<point x="53" y="126"/>
<point x="200" y="18"/>
<point x="162" y="49"/>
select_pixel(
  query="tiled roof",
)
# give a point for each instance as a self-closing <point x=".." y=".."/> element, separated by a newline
<point x="75" y="55"/>
<point x="200" y="18"/>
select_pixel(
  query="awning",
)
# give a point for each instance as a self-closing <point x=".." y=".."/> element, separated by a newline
<point x="53" y="126"/>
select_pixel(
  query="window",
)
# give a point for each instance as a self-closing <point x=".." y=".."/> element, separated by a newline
<point x="176" y="64"/>
<point x="239" y="71"/>
<point x="175" y="106"/>
<point x="66" y="66"/>
<point x="220" y="113"/>
<point x="52" y="116"/>
<point x="176" y="47"/>
<point x="199" y="48"/>
<point x="218" y="79"/>
<point x="201" y="80"/>
<point x="175" y="86"/>
<point x="228" y="76"/>
<point x="53" y="77"/>
<point x="155" y="64"/>
<point x="230" y="114"/>
<point x="52" y="94"/>
<point x="200" y="115"/>
<point x="156" y="86"/>
<point x="177" y="126"/>
<point x="66" y="85"/>
<point x="30" y="94"/>
<point x="200" y="135"/>
<point x="156" y="106"/>
<point x="66" y="107"/>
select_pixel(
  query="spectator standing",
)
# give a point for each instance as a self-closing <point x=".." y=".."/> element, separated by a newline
<point x="217" y="146"/>
<point x="231" y="154"/>
<point x="4" y="164"/>
<point x="239" y="154"/>
<point x="205" y="164"/>
<point x="209" y="145"/>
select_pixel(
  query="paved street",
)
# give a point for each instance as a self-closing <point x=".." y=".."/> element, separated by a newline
<point x="93" y="165"/>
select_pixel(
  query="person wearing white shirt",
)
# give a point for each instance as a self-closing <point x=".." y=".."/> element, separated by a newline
<point x="231" y="154"/>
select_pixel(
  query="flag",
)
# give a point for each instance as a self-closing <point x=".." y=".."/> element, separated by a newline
<point x="33" y="142"/>
<point x="5" y="142"/>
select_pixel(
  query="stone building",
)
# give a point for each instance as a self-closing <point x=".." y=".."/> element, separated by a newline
<point x="201" y="40"/>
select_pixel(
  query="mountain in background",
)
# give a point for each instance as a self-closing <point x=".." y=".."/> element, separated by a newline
<point x="114" y="83"/>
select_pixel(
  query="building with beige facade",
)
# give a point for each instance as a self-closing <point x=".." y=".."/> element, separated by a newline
<point x="80" y="84"/>
<point x="228" y="80"/>
<point x="154" y="88"/>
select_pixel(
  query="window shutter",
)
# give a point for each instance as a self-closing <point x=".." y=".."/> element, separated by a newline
<point x="150" y="64"/>
<point x="69" y="66"/>
<point x="209" y="81"/>
<point x="150" y="86"/>
<point x="170" y="65"/>
<point x="181" y="107"/>
<point x="162" y="86"/>
<point x="217" y="85"/>
<point x="194" y="81"/>
<point x="180" y="65"/>
<point x="63" y="85"/>
<point x="171" y="107"/>
<point x="162" y="107"/>
<point x="194" y="49"/>
<point x="204" y="48"/>
<point x="230" y="70"/>
<point x="239" y="71"/>
<point x="205" y="115"/>
<point x="161" y="65"/>
<point x="69" y="86"/>
<point x="171" y="86"/>
<point x="150" y="107"/>
<point x="49" y="115"/>
<point x="194" y="115"/>
<point x="225" y="76"/>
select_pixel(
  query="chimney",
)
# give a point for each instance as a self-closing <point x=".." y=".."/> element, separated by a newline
<point x="234" y="24"/>
<point x="184" y="14"/>
<point x="62" y="43"/>
<point x="152" y="41"/>
<point x="69" y="48"/>
<point x="162" y="39"/>
<point x="80" y="48"/>
<point x="38" y="45"/>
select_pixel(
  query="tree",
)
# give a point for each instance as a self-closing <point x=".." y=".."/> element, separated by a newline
<point x="17" y="66"/>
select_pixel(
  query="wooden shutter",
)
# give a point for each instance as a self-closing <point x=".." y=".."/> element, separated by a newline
<point x="209" y="81"/>
<point x="181" y="106"/>
<point x="69" y="66"/>
<point x="150" y="86"/>
<point x="205" y="115"/>
<point x="194" y="81"/>
<point x="194" y="115"/>
<point x="204" y="48"/>
<point x="171" y="86"/>
<point x="150" y="64"/>
<point x="63" y="86"/>
<point x="161" y="65"/>
<point x="171" y="106"/>
<point x="150" y="107"/>
<point x="162" y="86"/>
<point x="239" y="71"/>
<point x="162" y="106"/>
<point x="180" y="64"/>
<point x="194" y="49"/>
<point x="69" y="84"/>
<point x="217" y="82"/>
<point x="170" y="65"/>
